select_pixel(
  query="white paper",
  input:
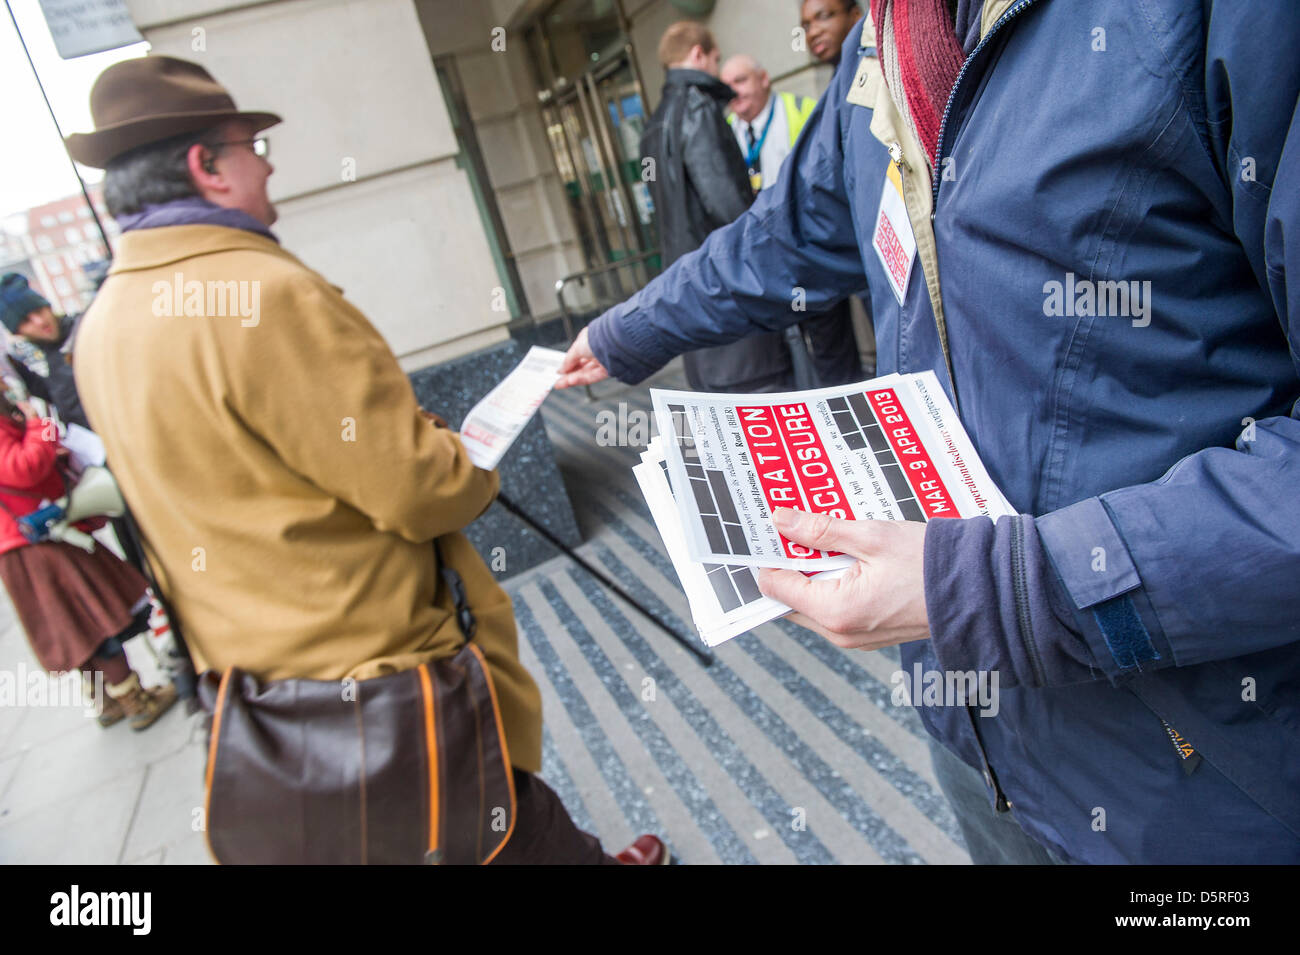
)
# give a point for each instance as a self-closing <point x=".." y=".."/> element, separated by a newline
<point x="887" y="449"/>
<point x="494" y="423"/>
<point x="85" y="447"/>
<point x="893" y="240"/>
<point x="78" y="27"/>
<point x="724" y="599"/>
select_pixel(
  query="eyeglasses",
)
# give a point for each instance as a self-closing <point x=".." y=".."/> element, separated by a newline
<point x="261" y="145"/>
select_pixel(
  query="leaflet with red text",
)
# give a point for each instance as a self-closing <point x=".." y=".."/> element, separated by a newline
<point x="724" y="598"/>
<point x="887" y="449"/>
<point x="493" y="424"/>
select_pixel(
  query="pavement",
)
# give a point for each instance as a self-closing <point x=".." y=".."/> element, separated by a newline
<point x="785" y="750"/>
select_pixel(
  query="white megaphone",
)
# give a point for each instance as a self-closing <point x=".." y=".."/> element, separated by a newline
<point x="96" y="495"/>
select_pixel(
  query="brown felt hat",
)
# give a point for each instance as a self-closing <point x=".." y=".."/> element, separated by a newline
<point x="149" y="99"/>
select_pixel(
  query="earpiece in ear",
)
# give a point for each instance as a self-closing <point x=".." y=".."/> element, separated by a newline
<point x="210" y="166"/>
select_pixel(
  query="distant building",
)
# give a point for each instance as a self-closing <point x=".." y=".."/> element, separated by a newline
<point x="61" y="240"/>
<point x="13" y="255"/>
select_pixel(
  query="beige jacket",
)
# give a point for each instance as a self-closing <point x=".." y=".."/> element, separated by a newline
<point x="272" y="450"/>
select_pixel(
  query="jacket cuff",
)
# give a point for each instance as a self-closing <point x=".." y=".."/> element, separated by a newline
<point x="1104" y="595"/>
<point x="622" y="341"/>
<point x="994" y="604"/>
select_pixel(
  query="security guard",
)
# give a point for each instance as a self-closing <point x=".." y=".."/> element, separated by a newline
<point x="823" y="346"/>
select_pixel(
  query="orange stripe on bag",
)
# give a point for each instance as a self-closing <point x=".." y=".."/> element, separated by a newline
<point x="212" y="761"/>
<point x="505" y="750"/>
<point x="431" y="744"/>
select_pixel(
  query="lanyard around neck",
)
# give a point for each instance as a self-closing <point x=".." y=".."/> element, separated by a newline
<point x="754" y="151"/>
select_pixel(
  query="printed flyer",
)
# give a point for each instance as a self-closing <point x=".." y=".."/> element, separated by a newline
<point x="887" y="449"/>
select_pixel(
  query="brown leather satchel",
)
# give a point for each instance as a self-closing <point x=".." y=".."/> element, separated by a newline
<point x="406" y="768"/>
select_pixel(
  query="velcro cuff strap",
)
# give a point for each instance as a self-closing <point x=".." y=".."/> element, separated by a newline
<point x="1125" y="634"/>
<point x="1088" y="553"/>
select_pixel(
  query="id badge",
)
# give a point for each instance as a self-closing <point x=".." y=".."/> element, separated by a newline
<point x="893" y="240"/>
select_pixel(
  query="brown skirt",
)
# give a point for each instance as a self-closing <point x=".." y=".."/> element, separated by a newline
<point x="69" y="601"/>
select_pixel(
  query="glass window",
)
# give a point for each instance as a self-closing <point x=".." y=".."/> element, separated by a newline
<point x="65" y="216"/>
<point x="72" y="235"/>
<point x="61" y="285"/>
<point x="48" y="222"/>
<point x="54" y="266"/>
<point x="44" y="244"/>
<point x="90" y="231"/>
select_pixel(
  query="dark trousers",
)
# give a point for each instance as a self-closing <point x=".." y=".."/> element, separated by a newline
<point x="993" y="838"/>
<point x="544" y="834"/>
<point x="832" y="347"/>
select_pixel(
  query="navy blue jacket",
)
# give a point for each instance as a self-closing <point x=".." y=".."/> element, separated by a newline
<point x="1147" y="600"/>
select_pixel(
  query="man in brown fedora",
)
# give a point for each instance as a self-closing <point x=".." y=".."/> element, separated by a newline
<point x="289" y="488"/>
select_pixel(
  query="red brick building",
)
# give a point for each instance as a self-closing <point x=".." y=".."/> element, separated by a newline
<point x="61" y="239"/>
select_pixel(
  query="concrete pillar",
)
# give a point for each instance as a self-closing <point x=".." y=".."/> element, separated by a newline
<point x="367" y="182"/>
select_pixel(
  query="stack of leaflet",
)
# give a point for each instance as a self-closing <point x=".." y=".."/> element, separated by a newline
<point x="887" y="449"/>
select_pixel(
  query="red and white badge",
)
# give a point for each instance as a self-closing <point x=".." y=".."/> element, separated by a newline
<point x="893" y="240"/>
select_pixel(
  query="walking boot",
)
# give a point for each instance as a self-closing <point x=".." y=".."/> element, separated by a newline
<point x="110" y="711"/>
<point x="143" y="706"/>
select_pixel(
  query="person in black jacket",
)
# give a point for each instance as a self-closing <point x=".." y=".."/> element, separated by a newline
<point x="699" y="182"/>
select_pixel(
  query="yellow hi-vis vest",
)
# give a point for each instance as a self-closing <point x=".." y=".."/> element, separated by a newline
<point x="797" y="110"/>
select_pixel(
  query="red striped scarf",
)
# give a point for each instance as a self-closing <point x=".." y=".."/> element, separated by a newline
<point x="920" y="56"/>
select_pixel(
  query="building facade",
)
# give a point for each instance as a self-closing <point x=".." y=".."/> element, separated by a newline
<point x="60" y="240"/>
<point x="449" y="162"/>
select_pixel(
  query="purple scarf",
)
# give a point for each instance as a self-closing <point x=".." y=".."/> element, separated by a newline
<point x="192" y="211"/>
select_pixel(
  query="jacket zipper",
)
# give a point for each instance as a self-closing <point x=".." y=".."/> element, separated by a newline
<point x="1020" y="588"/>
<point x="1010" y="15"/>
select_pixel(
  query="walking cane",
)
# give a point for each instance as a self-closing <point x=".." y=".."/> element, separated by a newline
<point x="689" y="643"/>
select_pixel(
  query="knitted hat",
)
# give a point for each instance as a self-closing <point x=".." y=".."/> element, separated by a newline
<point x="18" y="300"/>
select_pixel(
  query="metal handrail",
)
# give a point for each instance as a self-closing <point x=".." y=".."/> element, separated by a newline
<point x="589" y="273"/>
<point x="582" y="277"/>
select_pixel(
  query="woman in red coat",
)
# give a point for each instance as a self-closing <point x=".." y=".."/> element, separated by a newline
<point x="70" y="602"/>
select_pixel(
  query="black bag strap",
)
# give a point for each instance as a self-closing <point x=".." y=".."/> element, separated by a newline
<point x="185" y="680"/>
<point x="19" y="492"/>
<point x="464" y="616"/>
<point x="16" y="492"/>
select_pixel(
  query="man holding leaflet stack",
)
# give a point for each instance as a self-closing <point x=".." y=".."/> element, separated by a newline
<point x="1108" y="308"/>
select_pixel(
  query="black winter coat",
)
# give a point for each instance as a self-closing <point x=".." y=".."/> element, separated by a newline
<point x="699" y="184"/>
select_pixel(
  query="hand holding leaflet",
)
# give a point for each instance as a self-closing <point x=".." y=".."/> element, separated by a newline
<point x="878" y="602"/>
<point x="887" y="449"/>
<point x="782" y="481"/>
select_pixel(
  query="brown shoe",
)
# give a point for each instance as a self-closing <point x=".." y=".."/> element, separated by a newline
<point x="110" y="711"/>
<point x="647" y="850"/>
<point x="143" y="706"/>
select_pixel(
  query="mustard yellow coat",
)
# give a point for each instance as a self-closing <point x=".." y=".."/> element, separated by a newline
<point x="274" y="455"/>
